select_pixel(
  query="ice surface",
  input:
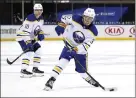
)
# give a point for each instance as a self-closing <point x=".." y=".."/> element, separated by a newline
<point x="112" y="63"/>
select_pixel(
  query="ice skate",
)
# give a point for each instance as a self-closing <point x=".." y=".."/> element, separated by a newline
<point x="25" y="74"/>
<point x="37" y="72"/>
<point x="49" y="84"/>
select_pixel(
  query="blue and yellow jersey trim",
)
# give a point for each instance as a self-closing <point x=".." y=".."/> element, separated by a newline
<point x="60" y="28"/>
<point x="61" y="24"/>
<point x="20" y="34"/>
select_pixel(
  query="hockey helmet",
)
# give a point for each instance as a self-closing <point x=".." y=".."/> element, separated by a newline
<point x="89" y="12"/>
<point x="37" y="6"/>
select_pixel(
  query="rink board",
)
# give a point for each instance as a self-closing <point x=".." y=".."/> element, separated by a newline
<point x="106" y="32"/>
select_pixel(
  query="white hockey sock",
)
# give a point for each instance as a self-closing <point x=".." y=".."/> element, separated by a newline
<point x="24" y="66"/>
<point x="58" y="68"/>
<point x="37" y="58"/>
<point x="36" y="61"/>
<point x="26" y="60"/>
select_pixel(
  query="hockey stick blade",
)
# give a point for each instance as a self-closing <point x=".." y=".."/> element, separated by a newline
<point x="111" y="89"/>
<point x="9" y="62"/>
<point x="16" y="57"/>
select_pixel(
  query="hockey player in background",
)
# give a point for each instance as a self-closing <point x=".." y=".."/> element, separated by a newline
<point x="79" y="33"/>
<point x="28" y="36"/>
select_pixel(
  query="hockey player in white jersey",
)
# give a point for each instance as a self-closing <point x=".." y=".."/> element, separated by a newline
<point x="28" y="36"/>
<point x="79" y="33"/>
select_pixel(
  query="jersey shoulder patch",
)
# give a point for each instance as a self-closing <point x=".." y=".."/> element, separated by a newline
<point x="66" y="18"/>
<point x="31" y="18"/>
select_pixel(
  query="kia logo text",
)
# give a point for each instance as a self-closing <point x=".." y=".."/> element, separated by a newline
<point x="114" y="30"/>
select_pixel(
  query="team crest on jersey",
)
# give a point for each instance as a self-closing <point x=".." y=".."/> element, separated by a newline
<point x="37" y="28"/>
<point x="78" y="37"/>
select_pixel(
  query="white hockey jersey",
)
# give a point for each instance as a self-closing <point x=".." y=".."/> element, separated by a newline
<point x="76" y="34"/>
<point x="27" y="29"/>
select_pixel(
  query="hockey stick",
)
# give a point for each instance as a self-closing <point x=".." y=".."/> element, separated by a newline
<point x="105" y="89"/>
<point x="11" y="62"/>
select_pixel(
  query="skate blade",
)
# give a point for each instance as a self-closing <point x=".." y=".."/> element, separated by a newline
<point x="38" y="75"/>
<point x="26" y="76"/>
<point x="47" y="88"/>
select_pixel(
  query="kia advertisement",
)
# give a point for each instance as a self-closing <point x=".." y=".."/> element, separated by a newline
<point x="114" y="30"/>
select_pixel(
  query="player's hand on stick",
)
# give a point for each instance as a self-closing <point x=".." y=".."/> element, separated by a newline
<point x="40" y="34"/>
<point x="74" y="51"/>
<point x="40" y="37"/>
